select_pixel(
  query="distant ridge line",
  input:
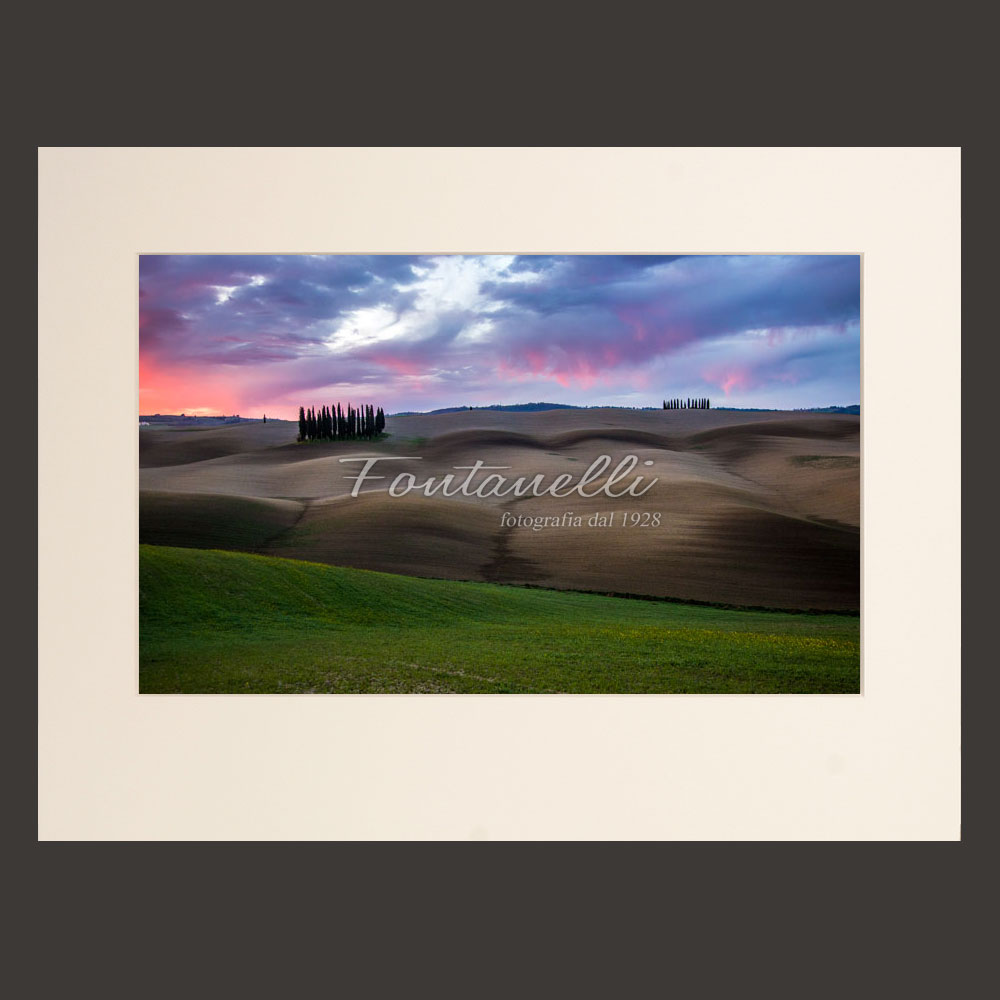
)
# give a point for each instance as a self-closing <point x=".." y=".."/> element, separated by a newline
<point x="854" y="409"/>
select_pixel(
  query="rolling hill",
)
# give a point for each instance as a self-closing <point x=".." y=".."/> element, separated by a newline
<point x="756" y="509"/>
<point x="228" y="622"/>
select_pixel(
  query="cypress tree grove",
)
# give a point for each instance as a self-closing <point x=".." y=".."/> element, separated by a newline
<point x="691" y="403"/>
<point x="340" y="423"/>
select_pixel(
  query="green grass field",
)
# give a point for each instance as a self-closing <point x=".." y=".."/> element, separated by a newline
<point x="227" y="622"/>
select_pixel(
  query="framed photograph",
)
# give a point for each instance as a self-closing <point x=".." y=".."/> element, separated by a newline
<point x="499" y="493"/>
<point x="499" y="473"/>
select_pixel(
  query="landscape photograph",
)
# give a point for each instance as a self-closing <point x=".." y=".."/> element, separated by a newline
<point x="499" y="474"/>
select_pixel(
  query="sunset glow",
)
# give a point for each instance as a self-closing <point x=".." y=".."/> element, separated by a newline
<point x="254" y="334"/>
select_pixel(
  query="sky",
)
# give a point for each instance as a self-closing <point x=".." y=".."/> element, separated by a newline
<point x="255" y="334"/>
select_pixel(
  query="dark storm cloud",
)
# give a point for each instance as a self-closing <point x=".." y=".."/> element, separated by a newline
<point x="245" y="309"/>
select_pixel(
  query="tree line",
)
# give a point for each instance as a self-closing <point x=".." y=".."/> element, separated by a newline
<point x="700" y="403"/>
<point x="335" y="423"/>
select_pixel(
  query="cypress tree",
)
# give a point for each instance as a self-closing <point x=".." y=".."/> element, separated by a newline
<point x="302" y="424"/>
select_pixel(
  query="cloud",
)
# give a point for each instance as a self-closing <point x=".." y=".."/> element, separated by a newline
<point x="450" y="330"/>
